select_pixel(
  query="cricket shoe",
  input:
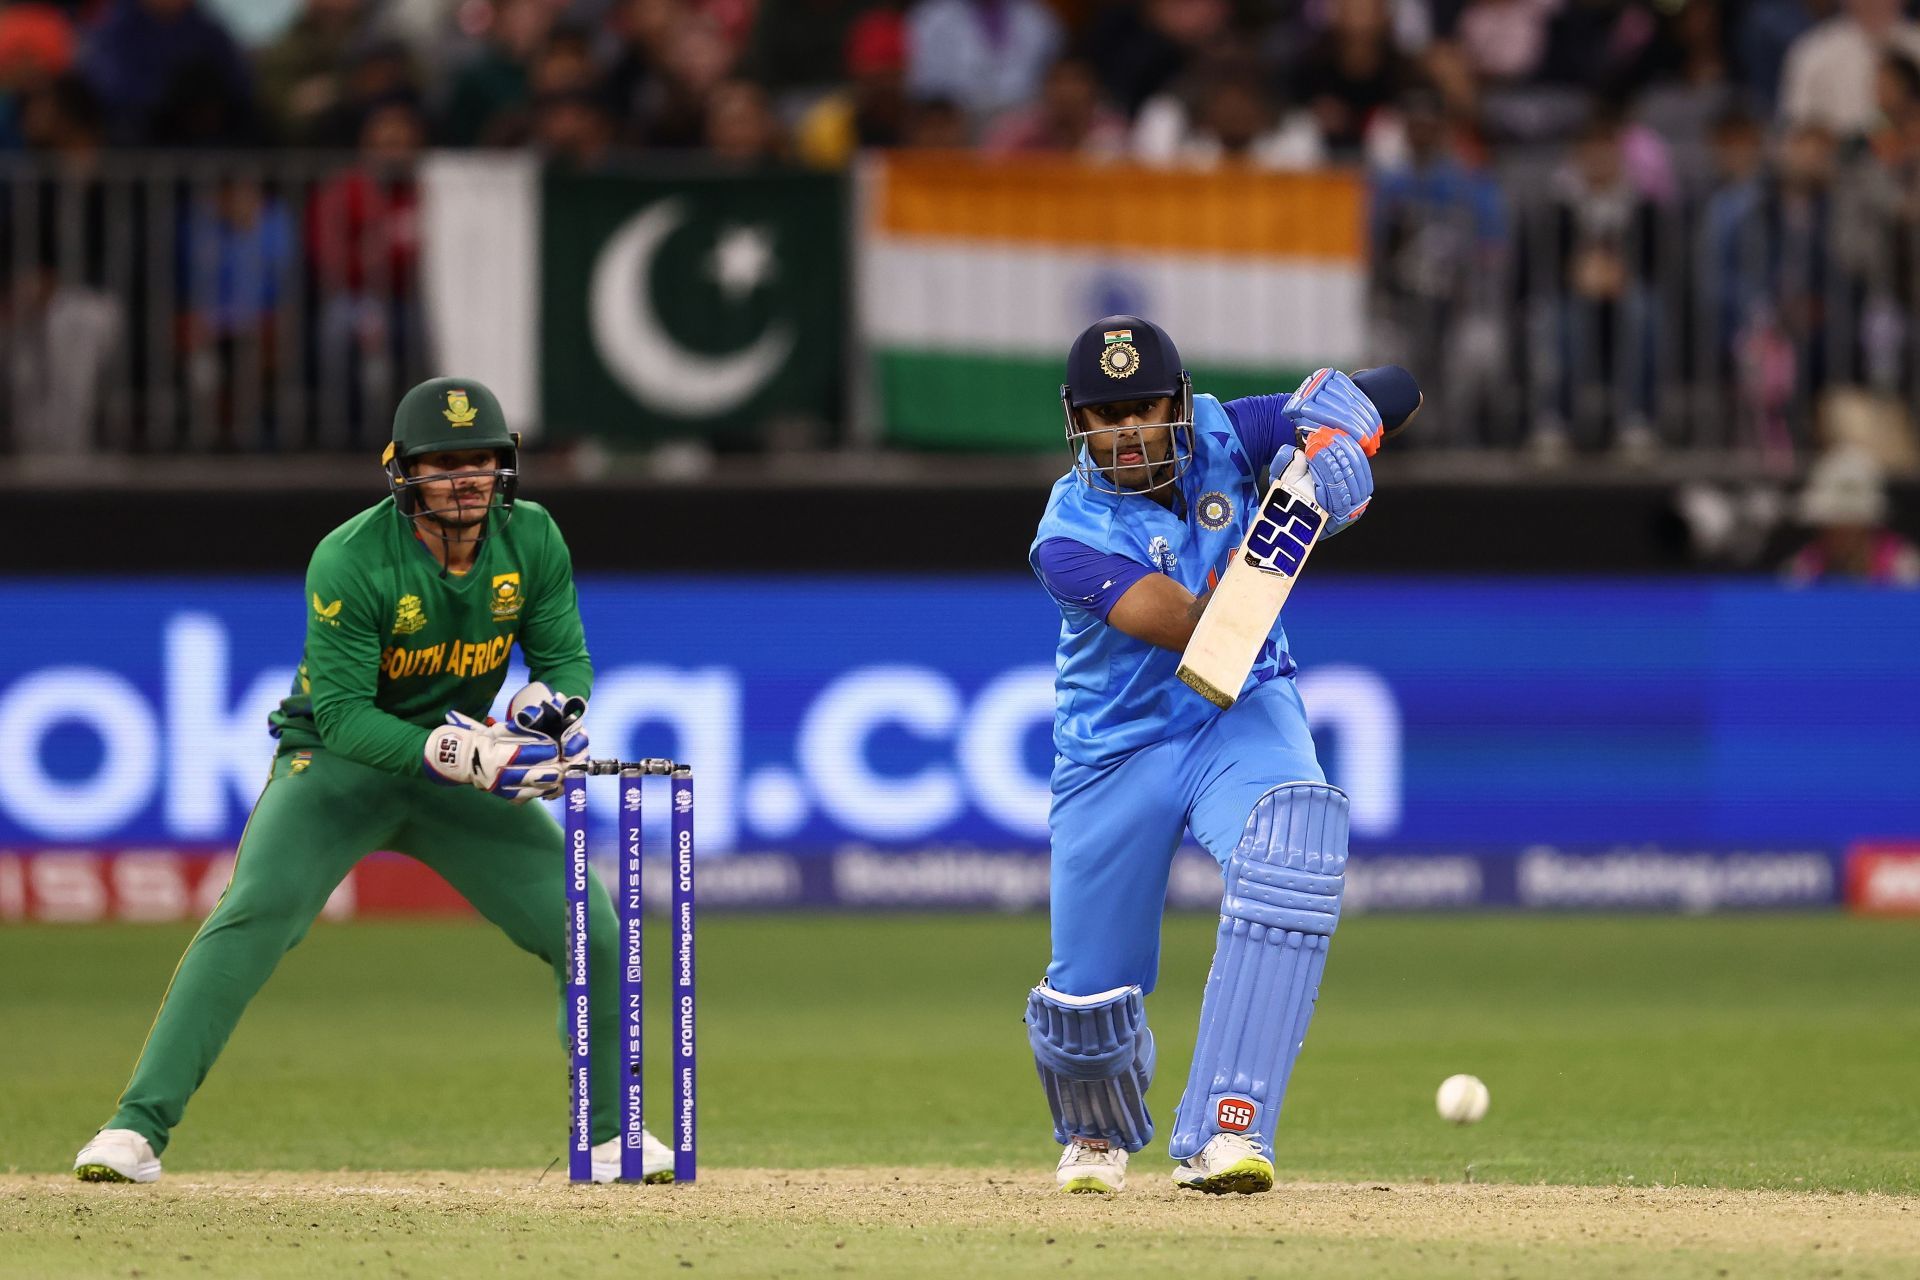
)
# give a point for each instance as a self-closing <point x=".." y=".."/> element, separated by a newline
<point x="117" y="1155"/>
<point x="1228" y="1163"/>
<point x="656" y="1161"/>
<point x="1090" y="1166"/>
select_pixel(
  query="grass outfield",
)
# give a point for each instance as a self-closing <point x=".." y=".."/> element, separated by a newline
<point x="1771" y="1054"/>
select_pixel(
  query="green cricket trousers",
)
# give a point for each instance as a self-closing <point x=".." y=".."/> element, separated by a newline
<point x="317" y="817"/>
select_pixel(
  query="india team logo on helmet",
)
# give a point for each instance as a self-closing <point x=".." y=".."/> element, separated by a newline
<point x="1119" y="358"/>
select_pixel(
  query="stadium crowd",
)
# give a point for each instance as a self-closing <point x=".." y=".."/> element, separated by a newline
<point x="1594" y="219"/>
<point x="1267" y="82"/>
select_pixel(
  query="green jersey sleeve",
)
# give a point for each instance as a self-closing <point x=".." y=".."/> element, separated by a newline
<point x="551" y="637"/>
<point x="342" y="668"/>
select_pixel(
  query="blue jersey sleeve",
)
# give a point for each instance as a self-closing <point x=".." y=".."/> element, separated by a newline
<point x="1078" y="576"/>
<point x="1262" y="428"/>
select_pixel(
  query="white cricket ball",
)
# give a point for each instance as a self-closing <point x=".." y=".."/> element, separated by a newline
<point x="1462" y="1099"/>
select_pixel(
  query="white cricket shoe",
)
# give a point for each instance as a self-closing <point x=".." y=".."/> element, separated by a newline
<point x="117" y="1155"/>
<point x="1228" y="1163"/>
<point x="656" y="1160"/>
<point x="1090" y="1166"/>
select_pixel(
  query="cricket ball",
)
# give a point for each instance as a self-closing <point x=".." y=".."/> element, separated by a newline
<point x="1462" y="1099"/>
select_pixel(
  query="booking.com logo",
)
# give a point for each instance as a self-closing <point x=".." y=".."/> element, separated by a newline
<point x="981" y="765"/>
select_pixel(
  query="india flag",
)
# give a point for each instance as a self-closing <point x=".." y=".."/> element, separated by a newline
<point x="975" y="273"/>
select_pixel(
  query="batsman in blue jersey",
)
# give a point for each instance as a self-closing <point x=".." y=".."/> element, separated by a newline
<point x="1133" y="540"/>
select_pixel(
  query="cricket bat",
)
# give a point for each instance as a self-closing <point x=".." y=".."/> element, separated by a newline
<point x="1261" y="574"/>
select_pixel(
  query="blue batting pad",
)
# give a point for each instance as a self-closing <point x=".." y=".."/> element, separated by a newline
<point x="1277" y="915"/>
<point x="1095" y="1058"/>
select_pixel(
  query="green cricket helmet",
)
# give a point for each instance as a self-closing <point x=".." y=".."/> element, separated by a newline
<point x="444" y="414"/>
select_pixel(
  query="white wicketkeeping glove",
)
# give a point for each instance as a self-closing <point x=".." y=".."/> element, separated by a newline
<point x="503" y="759"/>
<point x="539" y="709"/>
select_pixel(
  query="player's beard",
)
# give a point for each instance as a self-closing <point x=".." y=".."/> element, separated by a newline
<point x="461" y="510"/>
<point x="1145" y="473"/>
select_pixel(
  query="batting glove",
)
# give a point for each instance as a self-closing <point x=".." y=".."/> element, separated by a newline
<point x="1330" y="399"/>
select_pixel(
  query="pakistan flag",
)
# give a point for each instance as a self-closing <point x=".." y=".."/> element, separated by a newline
<point x="640" y="308"/>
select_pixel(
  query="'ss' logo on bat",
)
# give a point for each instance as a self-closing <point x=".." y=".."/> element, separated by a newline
<point x="1282" y="533"/>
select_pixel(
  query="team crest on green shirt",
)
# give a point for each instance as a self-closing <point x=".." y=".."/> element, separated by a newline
<point x="506" y="598"/>
<point x="409" y="617"/>
<point x="302" y="761"/>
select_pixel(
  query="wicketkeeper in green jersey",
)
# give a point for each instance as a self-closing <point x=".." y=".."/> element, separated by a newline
<point x="412" y="609"/>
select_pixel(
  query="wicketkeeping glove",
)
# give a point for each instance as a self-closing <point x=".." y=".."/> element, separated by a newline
<point x="503" y="759"/>
<point x="539" y="709"/>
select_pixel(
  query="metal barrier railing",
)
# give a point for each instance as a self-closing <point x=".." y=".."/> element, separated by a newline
<point x="1724" y="319"/>
<point x="271" y="303"/>
<point x="204" y="303"/>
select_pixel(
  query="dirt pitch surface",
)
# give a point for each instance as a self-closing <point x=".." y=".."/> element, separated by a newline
<point x="931" y="1222"/>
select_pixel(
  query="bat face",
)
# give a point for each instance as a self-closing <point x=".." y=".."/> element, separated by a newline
<point x="1284" y="531"/>
<point x="1255" y="587"/>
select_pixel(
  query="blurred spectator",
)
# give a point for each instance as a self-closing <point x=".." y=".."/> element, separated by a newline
<point x="985" y="55"/>
<point x="872" y="110"/>
<point x="1220" y="113"/>
<point x="1644" y="150"/>
<point x="741" y="126"/>
<point x="1505" y="41"/>
<point x="1594" y="323"/>
<point x="1770" y="255"/>
<point x="36" y="45"/>
<point x="1764" y="30"/>
<point x="254" y="24"/>
<point x="363" y="242"/>
<point x="1831" y="71"/>
<point x="574" y="130"/>
<point x="66" y="322"/>
<point x="1689" y="82"/>
<point x="1876" y="222"/>
<point x="1350" y="73"/>
<point x="640" y="30"/>
<point x="375" y="72"/>
<point x="304" y="74"/>
<point x="168" y="75"/>
<point x="696" y="58"/>
<point x="797" y="47"/>
<point x="1608" y="46"/>
<point x="1437" y="241"/>
<point x="1845" y="501"/>
<point x="236" y="255"/>
<point x="1141" y="49"/>
<point x="1069" y="118"/>
<point x="1727" y="225"/>
<point x="937" y="123"/>
<point x="565" y="63"/>
<point x="493" y="88"/>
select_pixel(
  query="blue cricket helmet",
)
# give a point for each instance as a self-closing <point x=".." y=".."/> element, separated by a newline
<point x="1125" y="358"/>
<point x="1122" y="358"/>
